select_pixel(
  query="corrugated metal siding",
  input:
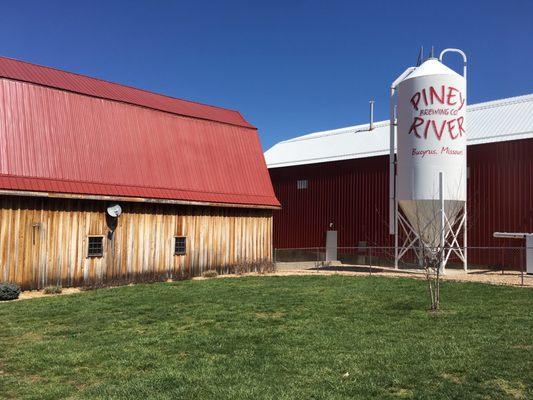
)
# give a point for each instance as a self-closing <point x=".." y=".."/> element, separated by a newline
<point x="500" y="191"/>
<point x="353" y="194"/>
<point x="23" y="71"/>
<point x="57" y="141"/>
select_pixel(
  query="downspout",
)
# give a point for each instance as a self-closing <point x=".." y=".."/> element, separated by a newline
<point x="392" y="159"/>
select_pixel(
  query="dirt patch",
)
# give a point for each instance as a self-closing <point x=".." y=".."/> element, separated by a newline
<point x="30" y="336"/>
<point x="453" y="378"/>
<point x="515" y="390"/>
<point x="34" y="294"/>
<point x="271" y="315"/>
<point x="523" y="347"/>
<point x="402" y="393"/>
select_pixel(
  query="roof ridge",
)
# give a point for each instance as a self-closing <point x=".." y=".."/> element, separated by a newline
<point x="378" y="124"/>
<point x="115" y="83"/>
<point x="73" y="82"/>
<point x="338" y="131"/>
<point x="500" y="102"/>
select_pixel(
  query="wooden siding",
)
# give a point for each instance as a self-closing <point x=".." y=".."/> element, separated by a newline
<point x="44" y="241"/>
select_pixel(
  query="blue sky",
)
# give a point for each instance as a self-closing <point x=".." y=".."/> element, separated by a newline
<point x="290" y="67"/>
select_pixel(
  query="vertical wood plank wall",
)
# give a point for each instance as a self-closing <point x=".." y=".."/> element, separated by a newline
<point x="44" y="241"/>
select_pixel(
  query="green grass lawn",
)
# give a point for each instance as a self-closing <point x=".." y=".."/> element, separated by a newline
<point x="297" y="337"/>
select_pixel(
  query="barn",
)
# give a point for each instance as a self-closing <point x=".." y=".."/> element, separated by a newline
<point x="339" y="180"/>
<point x="189" y="181"/>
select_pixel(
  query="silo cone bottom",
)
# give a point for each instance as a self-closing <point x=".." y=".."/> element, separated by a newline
<point x="425" y="219"/>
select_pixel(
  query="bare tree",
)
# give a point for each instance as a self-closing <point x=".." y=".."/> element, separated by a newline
<point x="434" y="244"/>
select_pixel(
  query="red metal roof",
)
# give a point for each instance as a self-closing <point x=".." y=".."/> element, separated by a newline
<point x="63" y="133"/>
<point x="46" y="76"/>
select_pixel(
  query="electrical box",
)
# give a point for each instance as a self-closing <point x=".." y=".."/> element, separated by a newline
<point x="331" y="246"/>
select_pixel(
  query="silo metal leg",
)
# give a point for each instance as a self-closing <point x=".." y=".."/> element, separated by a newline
<point x="442" y="224"/>
<point x="395" y="234"/>
<point x="465" y="243"/>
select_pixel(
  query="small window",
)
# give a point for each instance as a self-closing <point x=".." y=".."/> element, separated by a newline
<point x="180" y="245"/>
<point x="301" y="184"/>
<point x="95" y="246"/>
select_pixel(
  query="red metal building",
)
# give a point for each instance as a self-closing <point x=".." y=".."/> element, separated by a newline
<point x="341" y="178"/>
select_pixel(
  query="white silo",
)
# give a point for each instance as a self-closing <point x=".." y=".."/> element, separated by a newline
<point x="430" y="177"/>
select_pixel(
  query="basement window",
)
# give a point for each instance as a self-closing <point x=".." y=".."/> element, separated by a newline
<point x="180" y="245"/>
<point x="301" y="184"/>
<point x="95" y="246"/>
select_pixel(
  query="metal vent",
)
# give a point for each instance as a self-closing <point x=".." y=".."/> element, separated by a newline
<point x="301" y="184"/>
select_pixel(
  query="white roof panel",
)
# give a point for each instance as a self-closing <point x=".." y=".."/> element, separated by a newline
<point x="493" y="121"/>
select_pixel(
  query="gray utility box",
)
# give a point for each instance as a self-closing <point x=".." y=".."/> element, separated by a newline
<point x="331" y="246"/>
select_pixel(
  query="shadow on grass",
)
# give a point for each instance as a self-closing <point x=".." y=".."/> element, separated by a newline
<point x="358" y="268"/>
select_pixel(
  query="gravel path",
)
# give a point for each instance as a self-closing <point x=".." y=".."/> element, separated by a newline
<point x="512" y="278"/>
